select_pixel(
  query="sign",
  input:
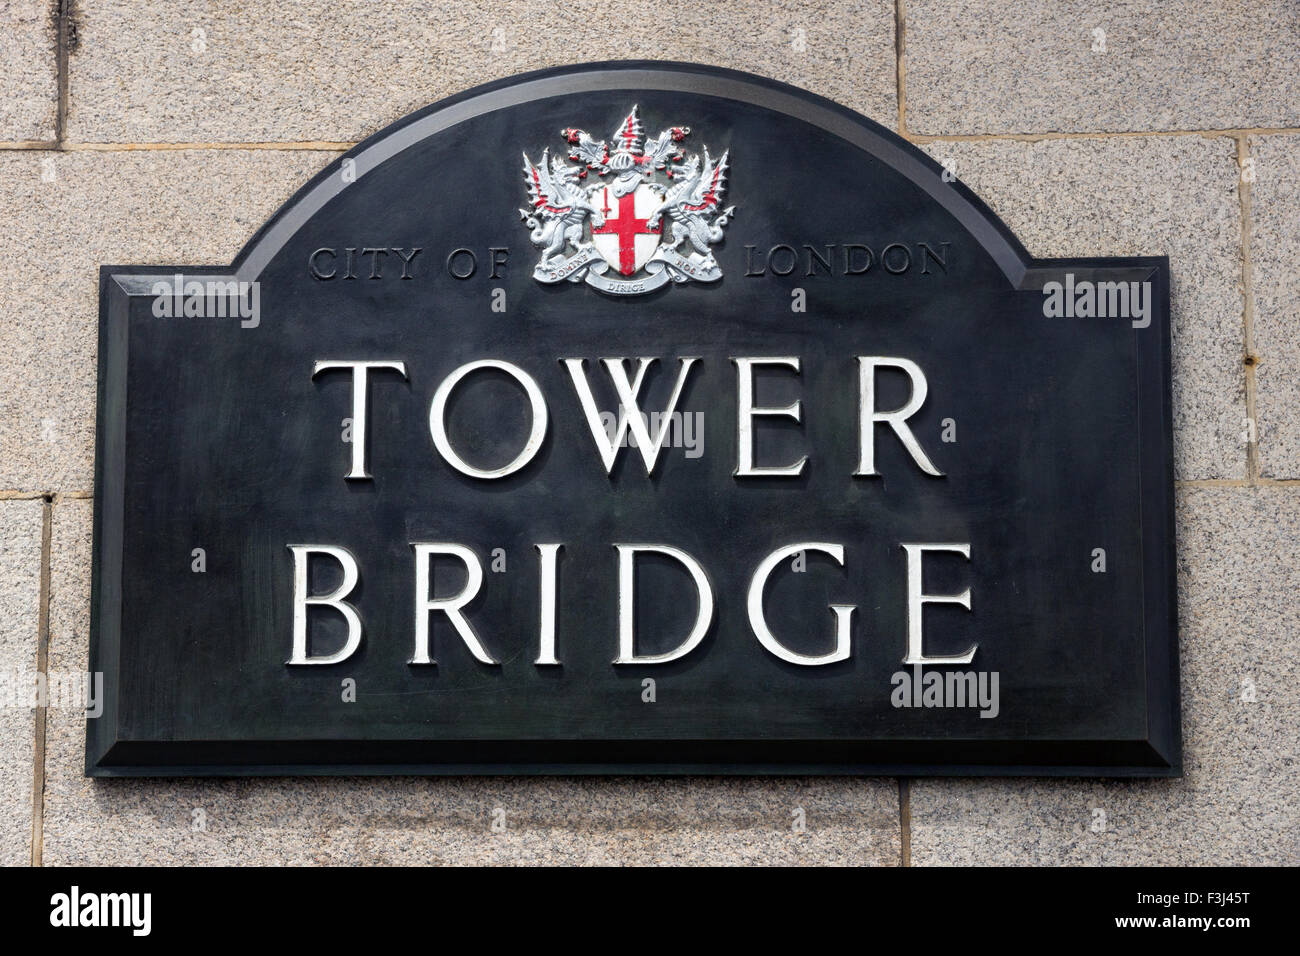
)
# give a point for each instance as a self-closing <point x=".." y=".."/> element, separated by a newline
<point x="635" y="418"/>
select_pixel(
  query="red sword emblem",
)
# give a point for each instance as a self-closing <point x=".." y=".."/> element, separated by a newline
<point x="627" y="227"/>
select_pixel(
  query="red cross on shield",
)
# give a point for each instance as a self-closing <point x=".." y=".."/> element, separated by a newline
<point x="625" y="241"/>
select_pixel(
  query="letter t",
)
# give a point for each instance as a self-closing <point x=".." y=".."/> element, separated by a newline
<point x="359" y="389"/>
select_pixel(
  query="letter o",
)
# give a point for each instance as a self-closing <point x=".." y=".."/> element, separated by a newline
<point x="438" y="410"/>
<point x="452" y="260"/>
<point x="907" y="258"/>
<point x="771" y="260"/>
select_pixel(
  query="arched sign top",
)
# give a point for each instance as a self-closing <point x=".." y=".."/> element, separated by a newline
<point x="635" y="77"/>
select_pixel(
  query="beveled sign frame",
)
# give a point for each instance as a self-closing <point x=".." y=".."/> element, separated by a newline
<point x="112" y="750"/>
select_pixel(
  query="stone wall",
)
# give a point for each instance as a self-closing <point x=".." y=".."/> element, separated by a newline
<point x="151" y="131"/>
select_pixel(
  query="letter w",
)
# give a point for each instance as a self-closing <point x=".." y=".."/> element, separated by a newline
<point x="629" y="414"/>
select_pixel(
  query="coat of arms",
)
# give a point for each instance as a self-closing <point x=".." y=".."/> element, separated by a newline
<point x="647" y="218"/>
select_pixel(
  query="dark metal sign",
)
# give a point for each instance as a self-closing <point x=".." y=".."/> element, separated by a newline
<point x="635" y="417"/>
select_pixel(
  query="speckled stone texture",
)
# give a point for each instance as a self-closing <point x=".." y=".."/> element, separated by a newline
<point x="428" y="821"/>
<point x="338" y="70"/>
<point x="20" y="602"/>
<point x="27" y="49"/>
<point x="1275" y="248"/>
<point x="112" y="208"/>
<point x="1239" y="802"/>
<point x="988" y="66"/>
<point x="1174" y="196"/>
